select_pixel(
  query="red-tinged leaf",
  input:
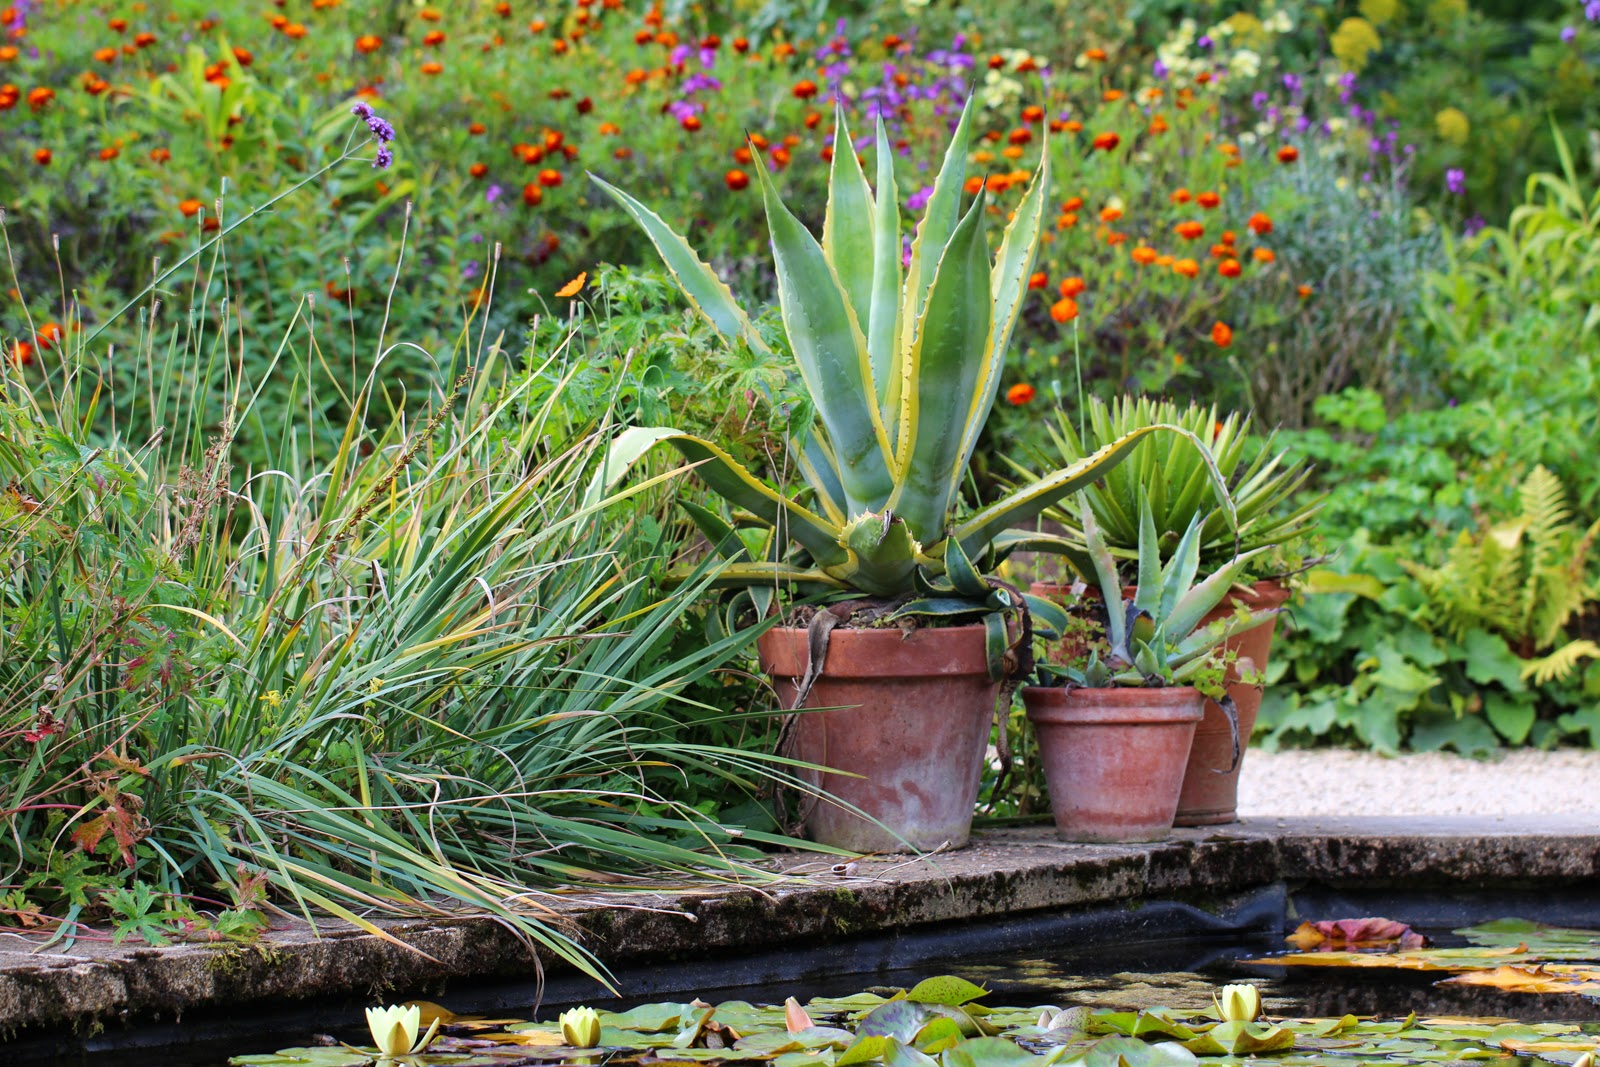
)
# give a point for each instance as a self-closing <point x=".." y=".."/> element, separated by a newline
<point x="1343" y="933"/>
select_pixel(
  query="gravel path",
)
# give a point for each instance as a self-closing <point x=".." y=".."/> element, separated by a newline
<point x="1339" y="782"/>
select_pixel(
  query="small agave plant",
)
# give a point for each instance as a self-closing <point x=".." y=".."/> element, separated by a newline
<point x="902" y="365"/>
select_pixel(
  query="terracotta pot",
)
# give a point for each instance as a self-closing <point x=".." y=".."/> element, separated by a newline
<point x="1113" y="758"/>
<point x="909" y="734"/>
<point x="1210" y="790"/>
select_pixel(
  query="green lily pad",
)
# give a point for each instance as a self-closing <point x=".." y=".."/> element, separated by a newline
<point x="938" y="1035"/>
<point x="1120" y="1051"/>
<point x="865" y="1050"/>
<point x="899" y="1019"/>
<point x="1142" y="1024"/>
<point x="1241" y="1039"/>
<point x="647" y="1018"/>
<point x="946" y="989"/>
<point x="989" y="1052"/>
<point x="305" y="1057"/>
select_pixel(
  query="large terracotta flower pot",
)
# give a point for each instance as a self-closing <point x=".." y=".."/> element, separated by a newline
<point x="1210" y="789"/>
<point x="1114" y="758"/>
<point x="908" y="735"/>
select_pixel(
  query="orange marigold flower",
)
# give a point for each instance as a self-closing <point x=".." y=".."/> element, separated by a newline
<point x="1229" y="237"/>
<point x="609" y="129"/>
<point x="741" y="45"/>
<point x="368" y="43"/>
<point x="477" y="129"/>
<point x="973" y="184"/>
<point x="433" y="38"/>
<point x="1096" y="54"/>
<point x="49" y="335"/>
<point x="1229" y="268"/>
<point x="1163" y="260"/>
<point x="117" y="25"/>
<point x="1072" y="286"/>
<point x="691" y="123"/>
<point x="1221" y="334"/>
<point x="432" y="67"/>
<point x="1288" y="154"/>
<point x="109" y="153"/>
<point x="622" y="153"/>
<point x="478" y="170"/>
<point x="1189" y="229"/>
<point x="1208" y="199"/>
<point x="997" y="183"/>
<point x="1186" y="267"/>
<point x="1158" y="124"/>
<point x="1020" y="394"/>
<point x="1181" y="196"/>
<point x="1072" y="126"/>
<point x="805" y="89"/>
<point x="1263" y="255"/>
<point x="736" y="179"/>
<point x="1110" y="214"/>
<point x="190" y="207"/>
<point x="40" y="97"/>
<point x="549" y="178"/>
<point x="1111" y="96"/>
<point x="1020" y="135"/>
<point x="160" y="155"/>
<point x="243" y="57"/>
<point x="1067" y="221"/>
<point x="1064" y="310"/>
<point x="1033" y="113"/>
<point x="532" y="195"/>
<point x="1143" y="255"/>
<point x="1115" y="238"/>
<point x="42" y="156"/>
<point x="1260" y="223"/>
<point x="21" y="353"/>
<point x="105" y="55"/>
<point x="1105" y="142"/>
<point x="143" y="40"/>
<point x="1038" y="280"/>
<point x="294" y="31"/>
<point x="429" y="14"/>
<point x="1304" y="291"/>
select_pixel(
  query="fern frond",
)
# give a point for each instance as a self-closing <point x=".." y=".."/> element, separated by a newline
<point x="1560" y="664"/>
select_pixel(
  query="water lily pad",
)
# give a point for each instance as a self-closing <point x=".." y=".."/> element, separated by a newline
<point x="899" y="1019"/>
<point x="989" y="1052"/>
<point x="1120" y="1051"/>
<point x="1544" y="978"/>
<point x="1142" y="1024"/>
<point x="945" y="989"/>
<point x="938" y="1035"/>
<point x="864" y="1050"/>
<point x="1241" y="1039"/>
<point x="648" y="1018"/>
<point x="305" y="1057"/>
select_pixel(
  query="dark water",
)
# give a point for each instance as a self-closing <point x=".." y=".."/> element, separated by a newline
<point x="1163" y="955"/>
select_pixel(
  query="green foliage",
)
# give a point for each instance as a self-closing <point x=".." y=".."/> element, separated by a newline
<point x="1186" y="480"/>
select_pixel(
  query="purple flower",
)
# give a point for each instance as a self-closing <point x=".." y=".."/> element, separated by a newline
<point x="1205" y="43"/>
<point x="1591" y="10"/>
<point x="384" y="157"/>
<point x="1291" y="82"/>
<point x="470" y="271"/>
<point x="1568" y="33"/>
<point x="919" y="199"/>
<point x="492" y="193"/>
<point x="1259" y="100"/>
<point x="1473" y="225"/>
<point x="1455" y="180"/>
<point x="362" y="110"/>
<point x="905" y="251"/>
<point x="1161" y="70"/>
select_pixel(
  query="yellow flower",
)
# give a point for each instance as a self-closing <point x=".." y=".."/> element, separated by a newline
<point x="573" y="287"/>
<point x="1379" y="12"/>
<point x="1354" y="41"/>
<point x="580" y="1028"/>
<point x="394" y="1030"/>
<point x="1453" y="125"/>
<point x="1238" y="1003"/>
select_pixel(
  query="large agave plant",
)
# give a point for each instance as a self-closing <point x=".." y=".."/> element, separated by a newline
<point x="902" y="366"/>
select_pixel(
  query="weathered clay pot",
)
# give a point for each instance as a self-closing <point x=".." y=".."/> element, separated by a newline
<point x="912" y="725"/>
<point x="1210" y="790"/>
<point x="1113" y="758"/>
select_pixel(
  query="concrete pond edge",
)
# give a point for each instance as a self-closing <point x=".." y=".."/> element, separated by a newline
<point x="1005" y="874"/>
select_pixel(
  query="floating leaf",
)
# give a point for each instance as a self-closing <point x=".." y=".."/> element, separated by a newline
<point x="989" y="1052"/>
<point x="305" y="1057"/>
<point x="1143" y="1023"/>
<point x="1241" y="1039"/>
<point x="1545" y="978"/>
<point x="1346" y="932"/>
<point x="864" y="1050"/>
<point x="938" y="1035"/>
<point x="946" y="989"/>
<point x="648" y="1018"/>
<point x="899" y="1019"/>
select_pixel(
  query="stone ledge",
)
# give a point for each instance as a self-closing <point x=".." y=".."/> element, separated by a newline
<point x="1005" y="873"/>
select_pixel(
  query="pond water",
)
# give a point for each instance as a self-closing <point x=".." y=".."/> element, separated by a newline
<point x="1175" y="978"/>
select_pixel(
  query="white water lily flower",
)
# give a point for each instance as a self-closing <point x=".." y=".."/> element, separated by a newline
<point x="394" y="1030"/>
<point x="580" y="1028"/>
<point x="1238" y="1003"/>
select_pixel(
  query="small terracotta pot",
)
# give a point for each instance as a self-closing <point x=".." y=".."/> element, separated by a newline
<point x="1210" y="795"/>
<point x="1114" y="758"/>
<point x="908" y="737"/>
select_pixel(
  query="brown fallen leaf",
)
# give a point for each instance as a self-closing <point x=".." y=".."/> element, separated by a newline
<point x="540" y="1038"/>
<point x="1550" y="978"/>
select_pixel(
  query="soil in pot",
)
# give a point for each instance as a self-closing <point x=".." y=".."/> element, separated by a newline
<point x="1114" y="758"/>
<point x="1210" y="788"/>
<point x="904" y="740"/>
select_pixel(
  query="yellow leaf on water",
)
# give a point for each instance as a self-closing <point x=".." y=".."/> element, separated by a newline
<point x="573" y="287"/>
<point x="539" y="1038"/>
<point x="1551" y="978"/>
